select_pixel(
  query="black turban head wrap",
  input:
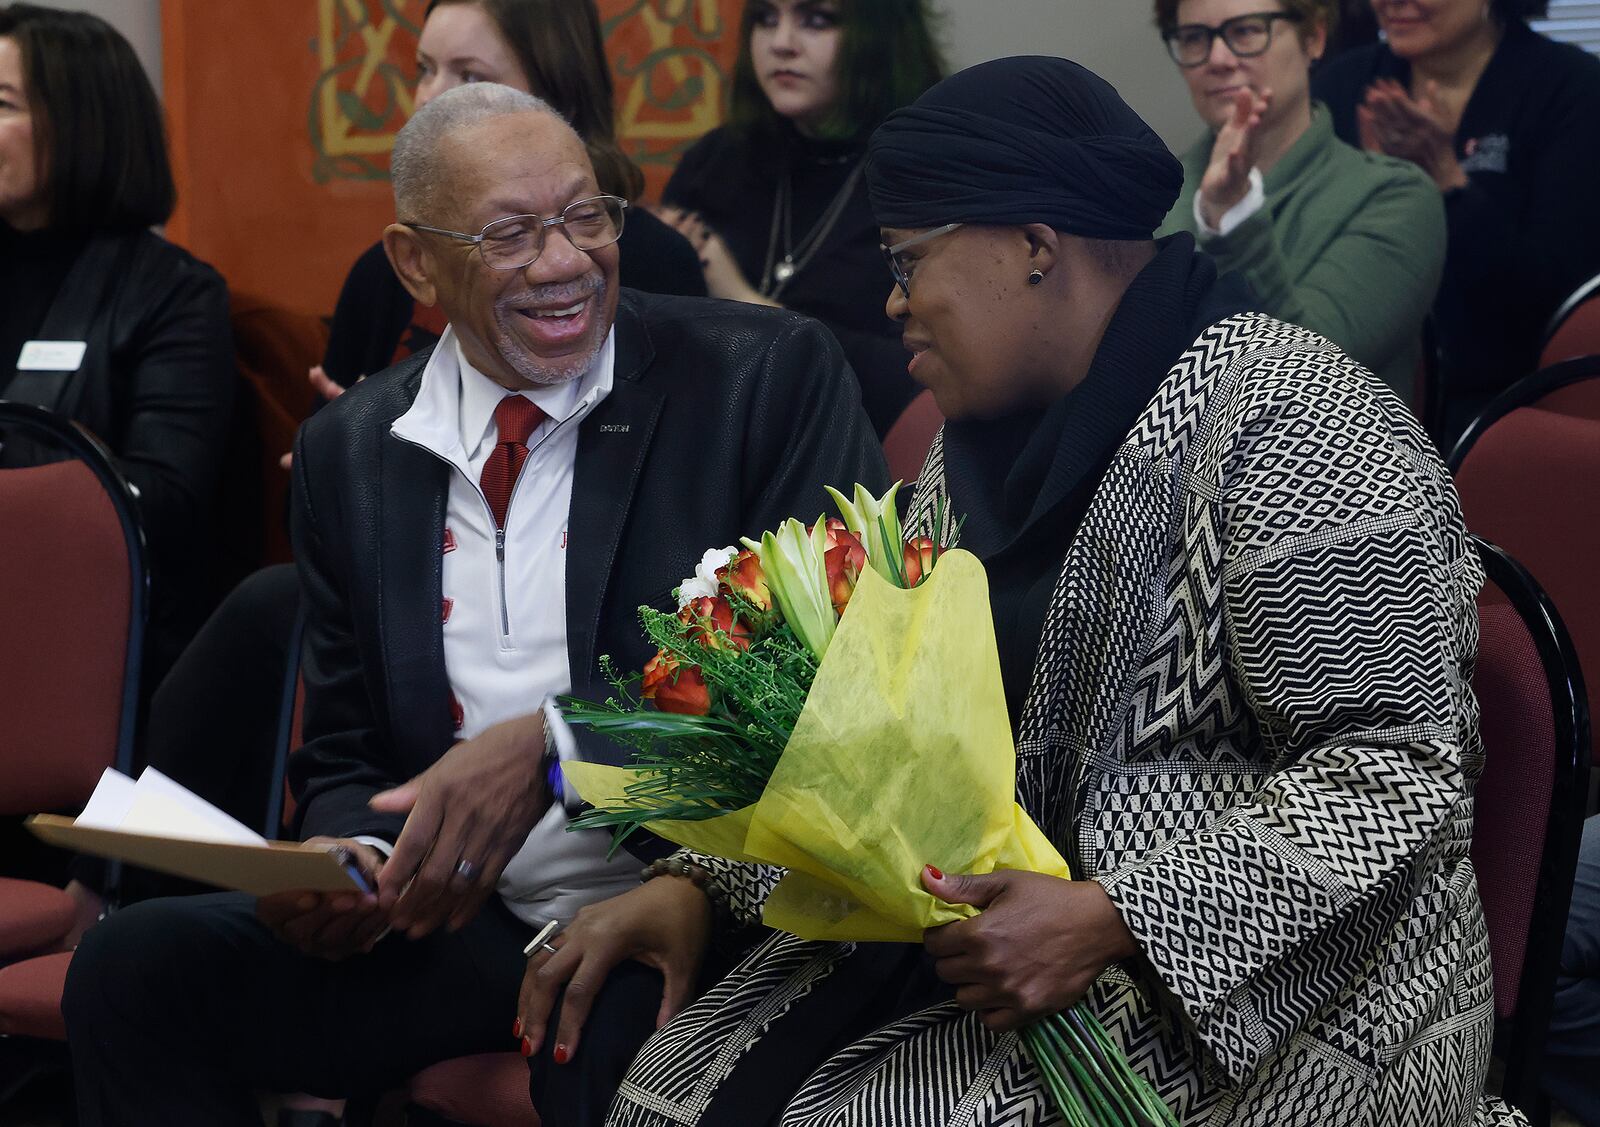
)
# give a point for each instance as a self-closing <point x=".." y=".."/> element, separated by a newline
<point x="1023" y="140"/>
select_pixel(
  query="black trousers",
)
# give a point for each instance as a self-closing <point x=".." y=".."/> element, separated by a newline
<point x="178" y="1009"/>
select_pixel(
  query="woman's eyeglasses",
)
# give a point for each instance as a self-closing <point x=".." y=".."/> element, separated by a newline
<point x="1246" y="36"/>
<point x="891" y="255"/>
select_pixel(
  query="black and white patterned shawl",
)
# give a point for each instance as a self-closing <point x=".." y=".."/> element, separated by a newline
<point x="1251" y="721"/>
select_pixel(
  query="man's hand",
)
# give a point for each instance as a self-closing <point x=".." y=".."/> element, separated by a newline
<point x="468" y="815"/>
<point x="329" y="925"/>
<point x="1227" y="177"/>
<point x="1033" y="951"/>
<point x="665" y="923"/>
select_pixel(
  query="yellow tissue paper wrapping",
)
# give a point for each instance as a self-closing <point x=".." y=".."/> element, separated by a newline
<point x="902" y="757"/>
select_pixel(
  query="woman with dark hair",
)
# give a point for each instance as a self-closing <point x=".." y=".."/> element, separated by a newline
<point x="1205" y="531"/>
<point x="1507" y="123"/>
<point x="1346" y="243"/>
<point x="554" y="50"/>
<point x="141" y="352"/>
<point x="775" y="200"/>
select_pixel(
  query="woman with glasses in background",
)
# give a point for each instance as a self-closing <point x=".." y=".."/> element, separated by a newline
<point x="775" y="201"/>
<point x="1346" y="243"/>
<point x="1506" y="122"/>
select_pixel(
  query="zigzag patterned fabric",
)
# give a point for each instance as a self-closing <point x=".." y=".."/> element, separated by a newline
<point x="1250" y="720"/>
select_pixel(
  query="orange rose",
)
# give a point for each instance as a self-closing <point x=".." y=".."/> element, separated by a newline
<point x="706" y="617"/>
<point x="676" y="687"/>
<point x="744" y="575"/>
<point x="843" y="565"/>
<point x="919" y="556"/>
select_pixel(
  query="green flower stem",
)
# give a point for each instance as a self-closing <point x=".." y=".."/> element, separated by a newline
<point x="1061" y="1029"/>
<point x="1091" y="1080"/>
<point x="1063" y="1091"/>
<point x="1135" y="1087"/>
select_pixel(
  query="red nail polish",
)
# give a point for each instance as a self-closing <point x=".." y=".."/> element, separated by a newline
<point x="527" y="1047"/>
<point x="935" y="873"/>
<point x="516" y="1028"/>
<point x="561" y="1055"/>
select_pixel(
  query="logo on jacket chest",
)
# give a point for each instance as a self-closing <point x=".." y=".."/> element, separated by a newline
<point x="1489" y="153"/>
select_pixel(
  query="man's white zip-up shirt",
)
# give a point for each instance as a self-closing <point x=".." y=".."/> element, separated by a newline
<point x="505" y="603"/>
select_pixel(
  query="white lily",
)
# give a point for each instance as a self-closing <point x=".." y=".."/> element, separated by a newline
<point x="876" y="523"/>
<point x="793" y="562"/>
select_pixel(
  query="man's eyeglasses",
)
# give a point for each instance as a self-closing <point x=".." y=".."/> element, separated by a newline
<point x="518" y="240"/>
<point x="1246" y="36"/>
<point x="891" y="255"/>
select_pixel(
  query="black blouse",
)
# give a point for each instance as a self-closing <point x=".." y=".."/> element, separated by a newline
<point x="33" y="265"/>
<point x="1523" y="232"/>
<point x="734" y="186"/>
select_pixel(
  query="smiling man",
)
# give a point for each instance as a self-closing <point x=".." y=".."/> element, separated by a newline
<point x="474" y="528"/>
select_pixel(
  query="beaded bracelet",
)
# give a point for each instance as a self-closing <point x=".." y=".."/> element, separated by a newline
<point x="697" y="875"/>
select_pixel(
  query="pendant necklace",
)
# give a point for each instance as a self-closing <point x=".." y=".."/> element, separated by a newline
<point x="777" y="273"/>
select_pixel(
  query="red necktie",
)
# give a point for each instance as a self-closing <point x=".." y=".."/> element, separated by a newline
<point x="515" y="418"/>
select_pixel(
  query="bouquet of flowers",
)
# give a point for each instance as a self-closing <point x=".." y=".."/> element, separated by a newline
<point x="828" y="700"/>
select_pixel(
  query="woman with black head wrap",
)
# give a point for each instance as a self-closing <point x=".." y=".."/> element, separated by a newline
<point x="1234" y="602"/>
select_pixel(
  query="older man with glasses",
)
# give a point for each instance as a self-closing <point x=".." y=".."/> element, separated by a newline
<point x="475" y="528"/>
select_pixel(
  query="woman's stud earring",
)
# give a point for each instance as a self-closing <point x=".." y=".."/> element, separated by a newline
<point x="1036" y="277"/>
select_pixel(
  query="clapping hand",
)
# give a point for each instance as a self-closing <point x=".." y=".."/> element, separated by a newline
<point x="1391" y="121"/>
<point x="1227" y="177"/>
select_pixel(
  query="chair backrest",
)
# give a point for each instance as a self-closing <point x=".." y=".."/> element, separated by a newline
<point x="1571" y="387"/>
<point x="291" y="715"/>
<point x="1427" y="390"/>
<point x="1527" y="484"/>
<point x="274" y="347"/>
<point x="1575" y="329"/>
<point x="73" y="599"/>
<point x="1528" y="806"/>
<point x="906" y="445"/>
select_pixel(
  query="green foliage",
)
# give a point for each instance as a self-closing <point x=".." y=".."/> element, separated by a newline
<point x="696" y="767"/>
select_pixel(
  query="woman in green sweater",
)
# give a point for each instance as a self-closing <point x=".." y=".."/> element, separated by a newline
<point x="1347" y="243"/>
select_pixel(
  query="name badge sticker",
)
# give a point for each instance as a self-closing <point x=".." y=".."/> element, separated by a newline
<point x="52" y="356"/>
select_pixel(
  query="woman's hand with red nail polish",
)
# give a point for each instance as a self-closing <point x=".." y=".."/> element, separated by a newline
<point x="665" y="923"/>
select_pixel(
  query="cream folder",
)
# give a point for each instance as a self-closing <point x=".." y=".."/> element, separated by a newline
<point x="158" y="824"/>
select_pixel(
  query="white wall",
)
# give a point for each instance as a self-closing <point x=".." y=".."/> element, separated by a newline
<point x="139" y="20"/>
<point x="1114" y="38"/>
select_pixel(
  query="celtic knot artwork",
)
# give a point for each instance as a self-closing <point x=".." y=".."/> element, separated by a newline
<point x="363" y="92"/>
<point x="671" y="62"/>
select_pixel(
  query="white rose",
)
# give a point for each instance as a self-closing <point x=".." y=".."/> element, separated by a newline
<point x="703" y="584"/>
